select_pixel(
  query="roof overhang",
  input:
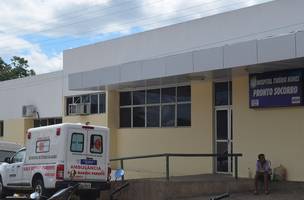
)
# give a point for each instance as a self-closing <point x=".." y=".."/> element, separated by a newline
<point x="280" y="52"/>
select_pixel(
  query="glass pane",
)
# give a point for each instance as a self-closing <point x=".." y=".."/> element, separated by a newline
<point x="76" y="99"/>
<point x="221" y="93"/>
<point x="125" y="98"/>
<point x="96" y="144"/>
<point x="153" y="116"/>
<point x="94" y="103"/>
<point x="58" y="120"/>
<point x="102" y="103"/>
<point x="168" y="95"/>
<point x="19" y="157"/>
<point x="42" y="146"/>
<point x="139" y="97"/>
<point x="153" y="96"/>
<point x="1" y="129"/>
<point x="184" y="115"/>
<point x="51" y="121"/>
<point x="231" y="125"/>
<point x="125" y="117"/>
<point x="77" y="142"/>
<point x="43" y="122"/>
<point x="221" y="125"/>
<point x="69" y="101"/>
<point x="139" y="117"/>
<point x="5" y="154"/>
<point x="85" y="99"/>
<point x="36" y="123"/>
<point x="183" y="93"/>
<point x="222" y="161"/>
<point x="168" y="116"/>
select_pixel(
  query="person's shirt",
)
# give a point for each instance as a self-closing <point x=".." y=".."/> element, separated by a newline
<point x="263" y="167"/>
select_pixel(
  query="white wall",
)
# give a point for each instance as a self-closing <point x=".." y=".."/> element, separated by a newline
<point x="44" y="91"/>
<point x="273" y="18"/>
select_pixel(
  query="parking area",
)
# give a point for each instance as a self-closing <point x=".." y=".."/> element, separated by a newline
<point x="275" y="195"/>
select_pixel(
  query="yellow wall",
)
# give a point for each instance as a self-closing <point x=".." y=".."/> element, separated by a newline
<point x="15" y="129"/>
<point x="96" y="119"/>
<point x="277" y="132"/>
<point x="195" y="139"/>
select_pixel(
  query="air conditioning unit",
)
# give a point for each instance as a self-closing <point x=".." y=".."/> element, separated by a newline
<point x="29" y="111"/>
<point x="80" y="109"/>
<point x="84" y="109"/>
<point x="73" y="109"/>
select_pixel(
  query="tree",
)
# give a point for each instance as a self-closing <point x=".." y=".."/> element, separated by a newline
<point x="18" y="68"/>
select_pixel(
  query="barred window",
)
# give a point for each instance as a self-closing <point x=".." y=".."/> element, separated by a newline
<point x="86" y="104"/>
<point x="160" y="107"/>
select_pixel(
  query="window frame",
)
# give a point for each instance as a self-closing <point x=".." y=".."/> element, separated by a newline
<point x="99" y="94"/>
<point x="160" y="104"/>
<point x="101" y="144"/>
<point x="13" y="157"/>
<point x="72" y="142"/>
<point x="44" y="140"/>
<point x="56" y="120"/>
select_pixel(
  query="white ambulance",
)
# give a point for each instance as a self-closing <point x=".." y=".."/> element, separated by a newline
<point x="58" y="156"/>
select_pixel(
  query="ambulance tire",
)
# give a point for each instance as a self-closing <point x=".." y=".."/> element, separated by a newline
<point x="38" y="186"/>
<point x="3" y="191"/>
<point x="91" y="195"/>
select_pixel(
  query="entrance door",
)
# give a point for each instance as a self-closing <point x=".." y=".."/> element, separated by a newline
<point x="223" y="138"/>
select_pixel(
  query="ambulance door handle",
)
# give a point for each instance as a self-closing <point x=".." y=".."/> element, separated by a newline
<point x="18" y="166"/>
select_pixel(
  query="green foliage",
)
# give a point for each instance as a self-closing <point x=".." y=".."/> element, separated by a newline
<point x="18" y="68"/>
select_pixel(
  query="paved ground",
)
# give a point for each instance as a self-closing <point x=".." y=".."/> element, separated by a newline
<point x="274" y="195"/>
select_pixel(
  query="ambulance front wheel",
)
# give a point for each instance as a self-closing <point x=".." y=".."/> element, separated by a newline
<point x="3" y="191"/>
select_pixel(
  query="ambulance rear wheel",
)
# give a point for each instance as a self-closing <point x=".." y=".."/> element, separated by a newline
<point x="38" y="187"/>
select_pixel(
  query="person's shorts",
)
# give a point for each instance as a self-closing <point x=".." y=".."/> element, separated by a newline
<point x="260" y="176"/>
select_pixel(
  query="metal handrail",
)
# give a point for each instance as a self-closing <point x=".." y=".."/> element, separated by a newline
<point x="168" y="155"/>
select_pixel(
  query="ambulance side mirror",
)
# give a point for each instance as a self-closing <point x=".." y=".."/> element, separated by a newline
<point x="7" y="160"/>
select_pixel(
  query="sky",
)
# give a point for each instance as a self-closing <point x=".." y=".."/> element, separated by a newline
<point x="40" y="30"/>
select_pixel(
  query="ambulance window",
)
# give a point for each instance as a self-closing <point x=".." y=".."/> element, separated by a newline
<point x="19" y="157"/>
<point x="42" y="146"/>
<point x="77" y="142"/>
<point x="96" y="144"/>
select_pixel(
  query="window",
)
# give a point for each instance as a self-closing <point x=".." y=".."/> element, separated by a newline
<point x="47" y="122"/>
<point x="86" y="104"/>
<point x="42" y="146"/>
<point x="5" y="154"/>
<point x="1" y="128"/>
<point x="77" y="142"/>
<point x="223" y="93"/>
<point x="96" y="144"/>
<point x="102" y="103"/>
<point x="168" y="115"/>
<point x="139" y="117"/>
<point x="153" y="116"/>
<point x="94" y="104"/>
<point x="19" y="157"/>
<point x="160" y="107"/>
<point x="125" y="117"/>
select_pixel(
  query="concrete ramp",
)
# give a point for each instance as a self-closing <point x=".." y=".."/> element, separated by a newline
<point x="183" y="187"/>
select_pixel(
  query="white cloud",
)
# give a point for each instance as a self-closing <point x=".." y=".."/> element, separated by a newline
<point x="76" y="18"/>
<point x="41" y="63"/>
